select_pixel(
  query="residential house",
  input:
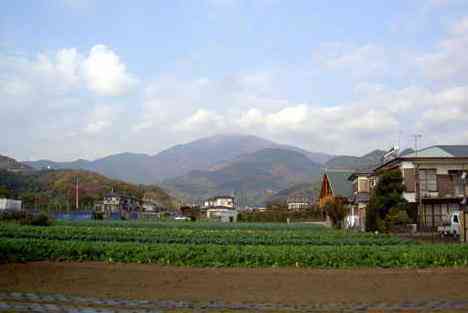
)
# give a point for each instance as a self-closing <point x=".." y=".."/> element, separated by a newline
<point x="219" y="201"/>
<point x="9" y="204"/>
<point x="149" y="203"/>
<point x="300" y="201"/>
<point x="362" y="184"/>
<point x="433" y="181"/>
<point x="119" y="204"/>
<point x="221" y="208"/>
<point x="336" y="186"/>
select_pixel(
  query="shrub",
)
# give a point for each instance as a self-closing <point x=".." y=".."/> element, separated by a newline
<point x="25" y="218"/>
<point x="41" y="220"/>
<point x="336" y="211"/>
<point x="97" y="216"/>
<point x="12" y="215"/>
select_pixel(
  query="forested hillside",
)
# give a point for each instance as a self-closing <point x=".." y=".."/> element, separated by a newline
<point x="55" y="189"/>
<point x="252" y="178"/>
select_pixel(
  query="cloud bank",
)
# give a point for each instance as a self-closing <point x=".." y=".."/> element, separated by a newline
<point x="71" y="103"/>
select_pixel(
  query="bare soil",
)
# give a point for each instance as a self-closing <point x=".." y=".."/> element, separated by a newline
<point x="237" y="285"/>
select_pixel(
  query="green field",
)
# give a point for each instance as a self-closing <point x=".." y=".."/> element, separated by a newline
<point x="220" y="245"/>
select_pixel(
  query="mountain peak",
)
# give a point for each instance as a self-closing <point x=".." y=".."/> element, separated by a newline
<point x="7" y="163"/>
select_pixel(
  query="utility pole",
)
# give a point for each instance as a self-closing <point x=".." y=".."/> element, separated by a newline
<point x="77" y="195"/>
<point x="463" y="177"/>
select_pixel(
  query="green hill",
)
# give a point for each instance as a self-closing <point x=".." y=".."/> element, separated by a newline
<point x="55" y="189"/>
<point x="355" y="163"/>
<point x="252" y="178"/>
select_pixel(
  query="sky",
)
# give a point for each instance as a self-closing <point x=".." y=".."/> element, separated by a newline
<point x="87" y="78"/>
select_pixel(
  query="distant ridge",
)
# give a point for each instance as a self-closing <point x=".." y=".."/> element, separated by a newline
<point x="252" y="178"/>
<point x="179" y="160"/>
<point x="7" y="163"/>
<point x="366" y="161"/>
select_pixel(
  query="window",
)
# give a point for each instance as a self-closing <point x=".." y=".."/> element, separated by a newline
<point x="363" y="185"/>
<point x="428" y="180"/>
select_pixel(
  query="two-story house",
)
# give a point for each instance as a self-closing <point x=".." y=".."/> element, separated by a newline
<point x="362" y="184"/>
<point x="433" y="181"/>
<point x="119" y="204"/>
<point x="221" y="208"/>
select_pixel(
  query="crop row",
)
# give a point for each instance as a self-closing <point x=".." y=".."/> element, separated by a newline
<point x="198" y="236"/>
<point x="192" y="225"/>
<point x="415" y="256"/>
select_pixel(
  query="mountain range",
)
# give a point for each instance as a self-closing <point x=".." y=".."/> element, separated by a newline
<point x="250" y="167"/>
<point x="176" y="161"/>
<point x="252" y="178"/>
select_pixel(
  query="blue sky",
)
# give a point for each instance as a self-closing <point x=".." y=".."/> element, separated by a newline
<point x="331" y="76"/>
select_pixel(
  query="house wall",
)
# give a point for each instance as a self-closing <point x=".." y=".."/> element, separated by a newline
<point x="445" y="184"/>
<point x="435" y="206"/>
<point x="227" y="202"/>
<point x="222" y="215"/>
<point x="9" y="204"/>
<point x="363" y="184"/>
<point x="298" y="205"/>
<point x="216" y="202"/>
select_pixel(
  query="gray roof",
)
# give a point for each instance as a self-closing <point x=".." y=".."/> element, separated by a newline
<point x="441" y="151"/>
<point x="456" y="151"/>
<point x="340" y="184"/>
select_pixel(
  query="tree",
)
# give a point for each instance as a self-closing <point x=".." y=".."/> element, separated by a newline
<point x="277" y="205"/>
<point x="387" y="196"/>
<point x="336" y="210"/>
<point x="4" y="192"/>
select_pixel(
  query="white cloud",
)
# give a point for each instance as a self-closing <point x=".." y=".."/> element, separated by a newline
<point x="68" y="62"/>
<point x="287" y="118"/>
<point x="105" y="74"/>
<point x="448" y="62"/>
<point x="201" y="120"/>
<point x="365" y="61"/>
<point x="99" y="119"/>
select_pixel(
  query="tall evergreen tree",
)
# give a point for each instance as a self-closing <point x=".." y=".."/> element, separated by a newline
<point x="387" y="195"/>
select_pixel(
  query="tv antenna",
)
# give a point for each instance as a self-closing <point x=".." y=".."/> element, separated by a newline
<point x="416" y="137"/>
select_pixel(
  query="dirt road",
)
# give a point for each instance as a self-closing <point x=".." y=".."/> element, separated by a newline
<point x="293" y="287"/>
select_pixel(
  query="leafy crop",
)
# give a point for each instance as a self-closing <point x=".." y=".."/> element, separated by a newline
<point x="418" y="256"/>
<point x="183" y="235"/>
<point x="220" y="245"/>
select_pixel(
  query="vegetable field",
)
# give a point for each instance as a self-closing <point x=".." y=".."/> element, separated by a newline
<point x="220" y="245"/>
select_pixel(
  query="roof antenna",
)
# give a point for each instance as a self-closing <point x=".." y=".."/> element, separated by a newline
<point x="399" y="137"/>
<point x="416" y="140"/>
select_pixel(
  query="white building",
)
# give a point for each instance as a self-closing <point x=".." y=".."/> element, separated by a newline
<point x="9" y="204"/>
<point x="221" y="208"/>
<point x="222" y="214"/>
<point x="299" y="201"/>
<point x="219" y="201"/>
